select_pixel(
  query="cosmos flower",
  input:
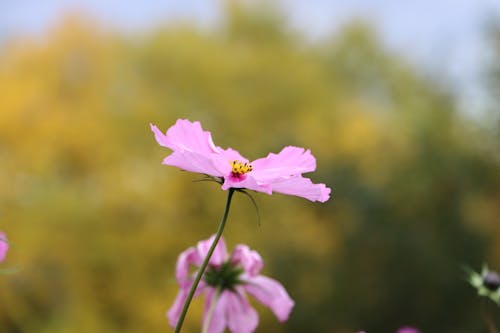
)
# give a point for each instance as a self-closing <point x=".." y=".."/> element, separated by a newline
<point x="407" y="329"/>
<point x="193" y="150"/>
<point x="404" y="329"/>
<point x="4" y="246"/>
<point x="225" y="283"/>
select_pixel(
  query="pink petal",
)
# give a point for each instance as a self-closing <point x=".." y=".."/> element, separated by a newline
<point x="175" y="310"/>
<point x="194" y="162"/>
<point x="160" y="137"/>
<point x="186" y="258"/>
<point x="289" y="162"/>
<point x="272" y="294"/>
<point x="4" y="246"/>
<point x="241" y="317"/>
<point x="250" y="260"/>
<point x="302" y="187"/>
<point x="193" y="148"/>
<point x="218" y="320"/>
<point x="220" y="252"/>
<point x="186" y="136"/>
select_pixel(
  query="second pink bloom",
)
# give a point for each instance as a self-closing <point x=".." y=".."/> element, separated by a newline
<point x="226" y="282"/>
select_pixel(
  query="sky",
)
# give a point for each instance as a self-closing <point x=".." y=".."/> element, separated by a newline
<point x="444" y="36"/>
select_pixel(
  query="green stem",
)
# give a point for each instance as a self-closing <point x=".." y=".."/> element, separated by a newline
<point x="204" y="263"/>
<point x="487" y="317"/>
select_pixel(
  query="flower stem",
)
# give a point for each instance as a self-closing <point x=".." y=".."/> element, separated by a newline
<point x="205" y="262"/>
<point x="487" y="317"/>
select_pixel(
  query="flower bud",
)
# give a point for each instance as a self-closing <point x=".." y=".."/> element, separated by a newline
<point x="491" y="280"/>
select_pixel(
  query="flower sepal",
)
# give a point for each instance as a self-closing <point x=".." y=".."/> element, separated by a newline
<point x="224" y="277"/>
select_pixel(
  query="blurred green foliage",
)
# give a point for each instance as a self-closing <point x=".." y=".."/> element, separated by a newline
<point x="97" y="222"/>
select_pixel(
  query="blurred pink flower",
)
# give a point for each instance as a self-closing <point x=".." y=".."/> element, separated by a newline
<point x="4" y="246"/>
<point x="404" y="329"/>
<point x="194" y="150"/>
<point x="225" y="283"/>
<point x="407" y="329"/>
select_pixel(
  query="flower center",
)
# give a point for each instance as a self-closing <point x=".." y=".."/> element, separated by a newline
<point x="240" y="168"/>
<point x="224" y="277"/>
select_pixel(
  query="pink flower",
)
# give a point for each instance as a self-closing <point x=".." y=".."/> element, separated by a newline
<point x="407" y="329"/>
<point x="193" y="150"/>
<point x="4" y="246"/>
<point x="225" y="283"/>
<point x="404" y="329"/>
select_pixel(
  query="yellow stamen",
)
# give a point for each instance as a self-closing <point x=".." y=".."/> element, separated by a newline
<point x="240" y="168"/>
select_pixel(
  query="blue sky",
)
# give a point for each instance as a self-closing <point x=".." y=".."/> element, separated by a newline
<point x="445" y="36"/>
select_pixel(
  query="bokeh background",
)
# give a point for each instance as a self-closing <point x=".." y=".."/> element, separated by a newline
<point x="404" y="124"/>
